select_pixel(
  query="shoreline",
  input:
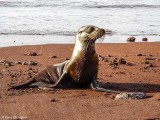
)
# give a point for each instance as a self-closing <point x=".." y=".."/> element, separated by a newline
<point x="21" y="40"/>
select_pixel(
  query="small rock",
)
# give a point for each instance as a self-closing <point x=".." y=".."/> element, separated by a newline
<point x="109" y="75"/>
<point x="122" y="61"/>
<point x="101" y="58"/>
<point x="149" y="58"/>
<point x="131" y="39"/>
<point x="7" y="63"/>
<point x="115" y="58"/>
<point x="157" y="59"/>
<point x="129" y="64"/>
<point x="146" y="62"/>
<point x="24" y="63"/>
<point x="53" y="100"/>
<point x="114" y="63"/>
<point x="150" y="55"/>
<point x="32" y="63"/>
<point x="18" y="62"/>
<point x="32" y="54"/>
<point x="54" y="56"/>
<point x="138" y="95"/>
<point x="30" y="68"/>
<point x="141" y="68"/>
<point x="109" y="56"/>
<point x="105" y="60"/>
<point x="139" y="54"/>
<point x="145" y="39"/>
<point x="150" y="65"/>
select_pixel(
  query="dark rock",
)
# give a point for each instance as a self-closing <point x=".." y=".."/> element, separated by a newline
<point x="109" y="56"/>
<point x="18" y="62"/>
<point x="6" y="62"/>
<point x="129" y="64"/>
<point x="115" y="58"/>
<point x="114" y="63"/>
<point x="141" y="68"/>
<point x="150" y="55"/>
<point x="146" y="62"/>
<point x="145" y="39"/>
<point x="105" y="60"/>
<point x="150" y="65"/>
<point x="54" y="56"/>
<point x="109" y="75"/>
<point x="149" y="58"/>
<point x="101" y="58"/>
<point x="139" y="54"/>
<point x="122" y="61"/>
<point x="30" y="68"/>
<point x="32" y="63"/>
<point x="53" y="100"/>
<point x="32" y="54"/>
<point x="24" y="63"/>
<point x="131" y="39"/>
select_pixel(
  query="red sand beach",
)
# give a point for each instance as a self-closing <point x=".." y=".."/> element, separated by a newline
<point x="140" y="73"/>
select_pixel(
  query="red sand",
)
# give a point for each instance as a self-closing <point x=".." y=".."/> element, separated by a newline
<point x="83" y="104"/>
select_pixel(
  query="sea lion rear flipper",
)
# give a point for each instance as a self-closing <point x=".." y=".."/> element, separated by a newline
<point x="50" y="77"/>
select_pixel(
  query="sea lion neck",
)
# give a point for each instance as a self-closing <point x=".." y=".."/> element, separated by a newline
<point x="83" y="47"/>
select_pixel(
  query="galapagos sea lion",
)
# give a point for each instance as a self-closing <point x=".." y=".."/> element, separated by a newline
<point x="78" y="72"/>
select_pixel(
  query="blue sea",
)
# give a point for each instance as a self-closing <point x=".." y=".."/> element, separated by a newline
<point x="27" y="22"/>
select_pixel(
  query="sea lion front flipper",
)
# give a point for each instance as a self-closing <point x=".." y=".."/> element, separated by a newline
<point x="95" y="86"/>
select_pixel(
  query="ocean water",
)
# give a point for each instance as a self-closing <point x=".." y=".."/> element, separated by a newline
<point x="57" y="21"/>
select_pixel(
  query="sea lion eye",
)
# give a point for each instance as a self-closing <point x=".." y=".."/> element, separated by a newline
<point x="80" y="32"/>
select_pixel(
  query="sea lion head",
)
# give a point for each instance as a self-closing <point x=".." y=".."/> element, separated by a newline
<point x="85" y="40"/>
<point x="89" y="33"/>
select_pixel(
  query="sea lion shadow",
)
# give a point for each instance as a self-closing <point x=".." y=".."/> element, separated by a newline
<point x="131" y="87"/>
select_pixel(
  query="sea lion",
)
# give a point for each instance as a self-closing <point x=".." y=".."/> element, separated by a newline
<point x="78" y="72"/>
